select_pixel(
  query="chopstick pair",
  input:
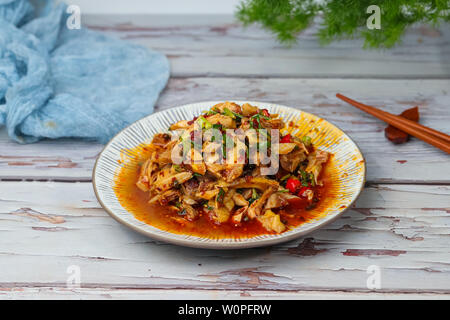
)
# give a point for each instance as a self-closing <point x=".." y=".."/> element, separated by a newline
<point x="435" y="138"/>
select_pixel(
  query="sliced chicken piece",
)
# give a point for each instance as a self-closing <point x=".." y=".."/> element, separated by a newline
<point x="161" y="139"/>
<point x="247" y="193"/>
<point x="239" y="215"/>
<point x="239" y="200"/>
<point x="221" y="215"/>
<point x="228" y="201"/>
<point x="260" y="183"/>
<point x="301" y="145"/>
<point x="272" y="123"/>
<point x="285" y="148"/>
<point x="165" y="155"/>
<point x="190" y="187"/>
<point x="215" y="169"/>
<point x="249" y="110"/>
<point x="256" y="207"/>
<point x="245" y="124"/>
<point x="189" y="200"/>
<point x="225" y="121"/>
<point x="290" y="161"/>
<point x="220" y="107"/>
<point x="165" y="197"/>
<point x="276" y="200"/>
<point x="218" y="214"/>
<point x="209" y="194"/>
<point x="205" y="183"/>
<point x="145" y="175"/>
<point x="183" y="124"/>
<point x="232" y="172"/>
<point x="315" y="161"/>
<point x="197" y="165"/>
<point x="167" y="182"/>
<point x="142" y="183"/>
<point x="190" y="213"/>
<point x="271" y="222"/>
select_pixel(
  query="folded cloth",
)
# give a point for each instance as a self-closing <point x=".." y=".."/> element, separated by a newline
<point x="58" y="82"/>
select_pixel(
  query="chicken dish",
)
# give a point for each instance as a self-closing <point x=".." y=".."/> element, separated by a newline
<point x="198" y="178"/>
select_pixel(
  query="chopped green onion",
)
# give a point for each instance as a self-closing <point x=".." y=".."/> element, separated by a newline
<point x="237" y="115"/>
<point x="311" y="177"/>
<point x="306" y="141"/>
<point x="229" y="113"/>
<point x="224" y="145"/>
<point x="254" y="194"/>
<point x="211" y="112"/>
<point x="204" y="123"/>
<point x="285" y="177"/>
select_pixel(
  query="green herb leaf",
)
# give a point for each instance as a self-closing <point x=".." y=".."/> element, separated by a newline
<point x="220" y="195"/>
<point x="342" y="19"/>
<point x="304" y="177"/>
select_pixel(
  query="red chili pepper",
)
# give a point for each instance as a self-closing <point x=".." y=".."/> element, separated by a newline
<point x="302" y="190"/>
<point x="286" y="139"/>
<point x="192" y="121"/>
<point x="265" y="113"/>
<point x="292" y="184"/>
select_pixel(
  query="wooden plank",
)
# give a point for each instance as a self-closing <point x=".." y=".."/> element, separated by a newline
<point x="48" y="226"/>
<point x="218" y="46"/>
<point x="73" y="159"/>
<point x="52" y="293"/>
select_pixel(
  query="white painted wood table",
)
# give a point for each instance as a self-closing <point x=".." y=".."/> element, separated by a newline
<point x="50" y="219"/>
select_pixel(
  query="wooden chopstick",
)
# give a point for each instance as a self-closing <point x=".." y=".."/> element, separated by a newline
<point x="374" y="111"/>
<point x="438" y="139"/>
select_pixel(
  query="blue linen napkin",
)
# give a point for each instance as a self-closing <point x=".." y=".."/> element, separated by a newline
<point x="58" y="82"/>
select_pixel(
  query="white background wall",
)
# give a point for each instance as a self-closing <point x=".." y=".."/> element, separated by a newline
<point x="156" y="6"/>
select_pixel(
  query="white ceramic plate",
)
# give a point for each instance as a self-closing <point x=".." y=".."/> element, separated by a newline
<point x="348" y="172"/>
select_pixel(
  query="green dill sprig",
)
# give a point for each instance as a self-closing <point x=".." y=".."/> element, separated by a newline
<point x="342" y="19"/>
